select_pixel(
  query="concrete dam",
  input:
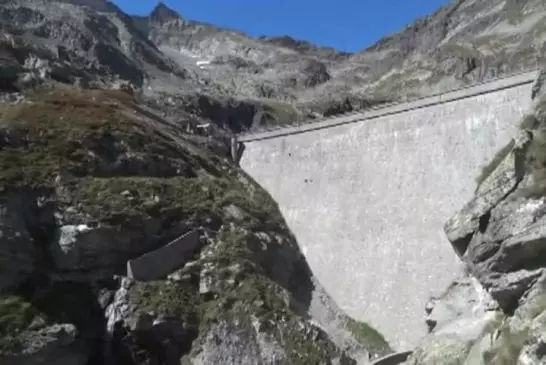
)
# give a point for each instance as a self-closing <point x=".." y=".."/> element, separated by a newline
<point x="367" y="194"/>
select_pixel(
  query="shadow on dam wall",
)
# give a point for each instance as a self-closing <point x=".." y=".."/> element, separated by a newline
<point x="367" y="200"/>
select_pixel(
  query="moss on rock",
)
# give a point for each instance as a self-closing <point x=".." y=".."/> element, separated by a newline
<point x="17" y="315"/>
<point x="239" y="291"/>
<point x="495" y="162"/>
<point x="94" y="153"/>
<point x="535" y="152"/>
<point x="369" y="337"/>
<point x="76" y="135"/>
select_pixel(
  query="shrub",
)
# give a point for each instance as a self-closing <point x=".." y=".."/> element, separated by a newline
<point x="494" y="163"/>
<point x="369" y="337"/>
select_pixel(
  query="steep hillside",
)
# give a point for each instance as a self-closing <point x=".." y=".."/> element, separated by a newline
<point x="217" y="74"/>
<point x="465" y="41"/>
<point x="90" y="182"/>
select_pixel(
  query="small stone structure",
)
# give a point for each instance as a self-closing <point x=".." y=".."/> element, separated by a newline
<point x="159" y="263"/>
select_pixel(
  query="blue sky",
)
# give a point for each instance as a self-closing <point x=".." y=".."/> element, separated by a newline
<point x="348" y="25"/>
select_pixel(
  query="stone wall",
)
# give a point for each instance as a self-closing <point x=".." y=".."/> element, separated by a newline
<point x="159" y="263"/>
<point x="367" y="199"/>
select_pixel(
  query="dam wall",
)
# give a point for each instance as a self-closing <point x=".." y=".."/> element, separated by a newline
<point x="367" y="194"/>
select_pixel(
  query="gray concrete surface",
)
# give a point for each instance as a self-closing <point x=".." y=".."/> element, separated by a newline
<point x="367" y="199"/>
<point x="159" y="263"/>
<point x="393" y="359"/>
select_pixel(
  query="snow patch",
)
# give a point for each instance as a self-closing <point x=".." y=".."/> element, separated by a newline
<point x="203" y="63"/>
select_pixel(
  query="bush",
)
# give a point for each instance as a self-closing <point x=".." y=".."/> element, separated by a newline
<point x="369" y="337"/>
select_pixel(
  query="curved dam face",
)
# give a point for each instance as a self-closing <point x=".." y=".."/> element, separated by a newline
<point x="367" y="200"/>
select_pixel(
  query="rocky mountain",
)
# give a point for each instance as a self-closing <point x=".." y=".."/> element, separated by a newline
<point x="91" y="187"/>
<point x="95" y="187"/>
<point x="240" y="82"/>
<point x="126" y="240"/>
<point x="496" y="314"/>
<point x="464" y="41"/>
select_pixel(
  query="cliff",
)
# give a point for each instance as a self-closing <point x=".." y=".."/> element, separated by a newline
<point x="496" y="314"/>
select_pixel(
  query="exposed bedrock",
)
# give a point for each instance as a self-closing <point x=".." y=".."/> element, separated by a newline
<point x="122" y="241"/>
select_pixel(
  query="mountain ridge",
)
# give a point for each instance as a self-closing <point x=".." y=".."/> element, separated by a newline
<point x="268" y="80"/>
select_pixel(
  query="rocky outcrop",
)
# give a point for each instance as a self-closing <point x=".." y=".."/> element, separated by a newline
<point x="90" y="186"/>
<point x="499" y="235"/>
<point x="48" y="345"/>
<point x="464" y="41"/>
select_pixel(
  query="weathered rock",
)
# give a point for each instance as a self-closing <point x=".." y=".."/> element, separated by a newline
<point x="26" y="220"/>
<point x="474" y="215"/>
<point x="517" y="339"/>
<point x="236" y="322"/>
<point x="104" y="185"/>
<point x="464" y="299"/>
<point x="55" y="344"/>
<point x="499" y="232"/>
<point x="94" y="43"/>
<point x="461" y="320"/>
<point x="538" y="87"/>
<point x="500" y="236"/>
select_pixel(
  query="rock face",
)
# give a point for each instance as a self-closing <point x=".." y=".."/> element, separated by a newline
<point x="464" y="41"/>
<point x="89" y="183"/>
<point x="240" y="82"/>
<point x="499" y="235"/>
<point x="92" y="179"/>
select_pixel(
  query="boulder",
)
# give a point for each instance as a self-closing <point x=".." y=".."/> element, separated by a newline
<point x="55" y="344"/>
<point x="498" y="233"/>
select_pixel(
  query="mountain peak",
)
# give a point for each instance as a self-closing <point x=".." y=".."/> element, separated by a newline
<point x="162" y="13"/>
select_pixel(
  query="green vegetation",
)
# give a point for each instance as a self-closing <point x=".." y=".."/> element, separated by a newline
<point x="16" y="316"/>
<point x="495" y="162"/>
<point x="239" y="289"/>
<point x="60" y="302"/>
<point x="535" y="152"/>
<point x="523" y="328"/>
<point x="508" y="349"/>
<point x="370" y="338"/>
<point x="69" y="135"/>
<point x="530" y="121"/>
<point x="68" y="132"/>
<point x="172" y="299"/>
<point x="279" y="113"/>
<point x="59" y="127"/>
